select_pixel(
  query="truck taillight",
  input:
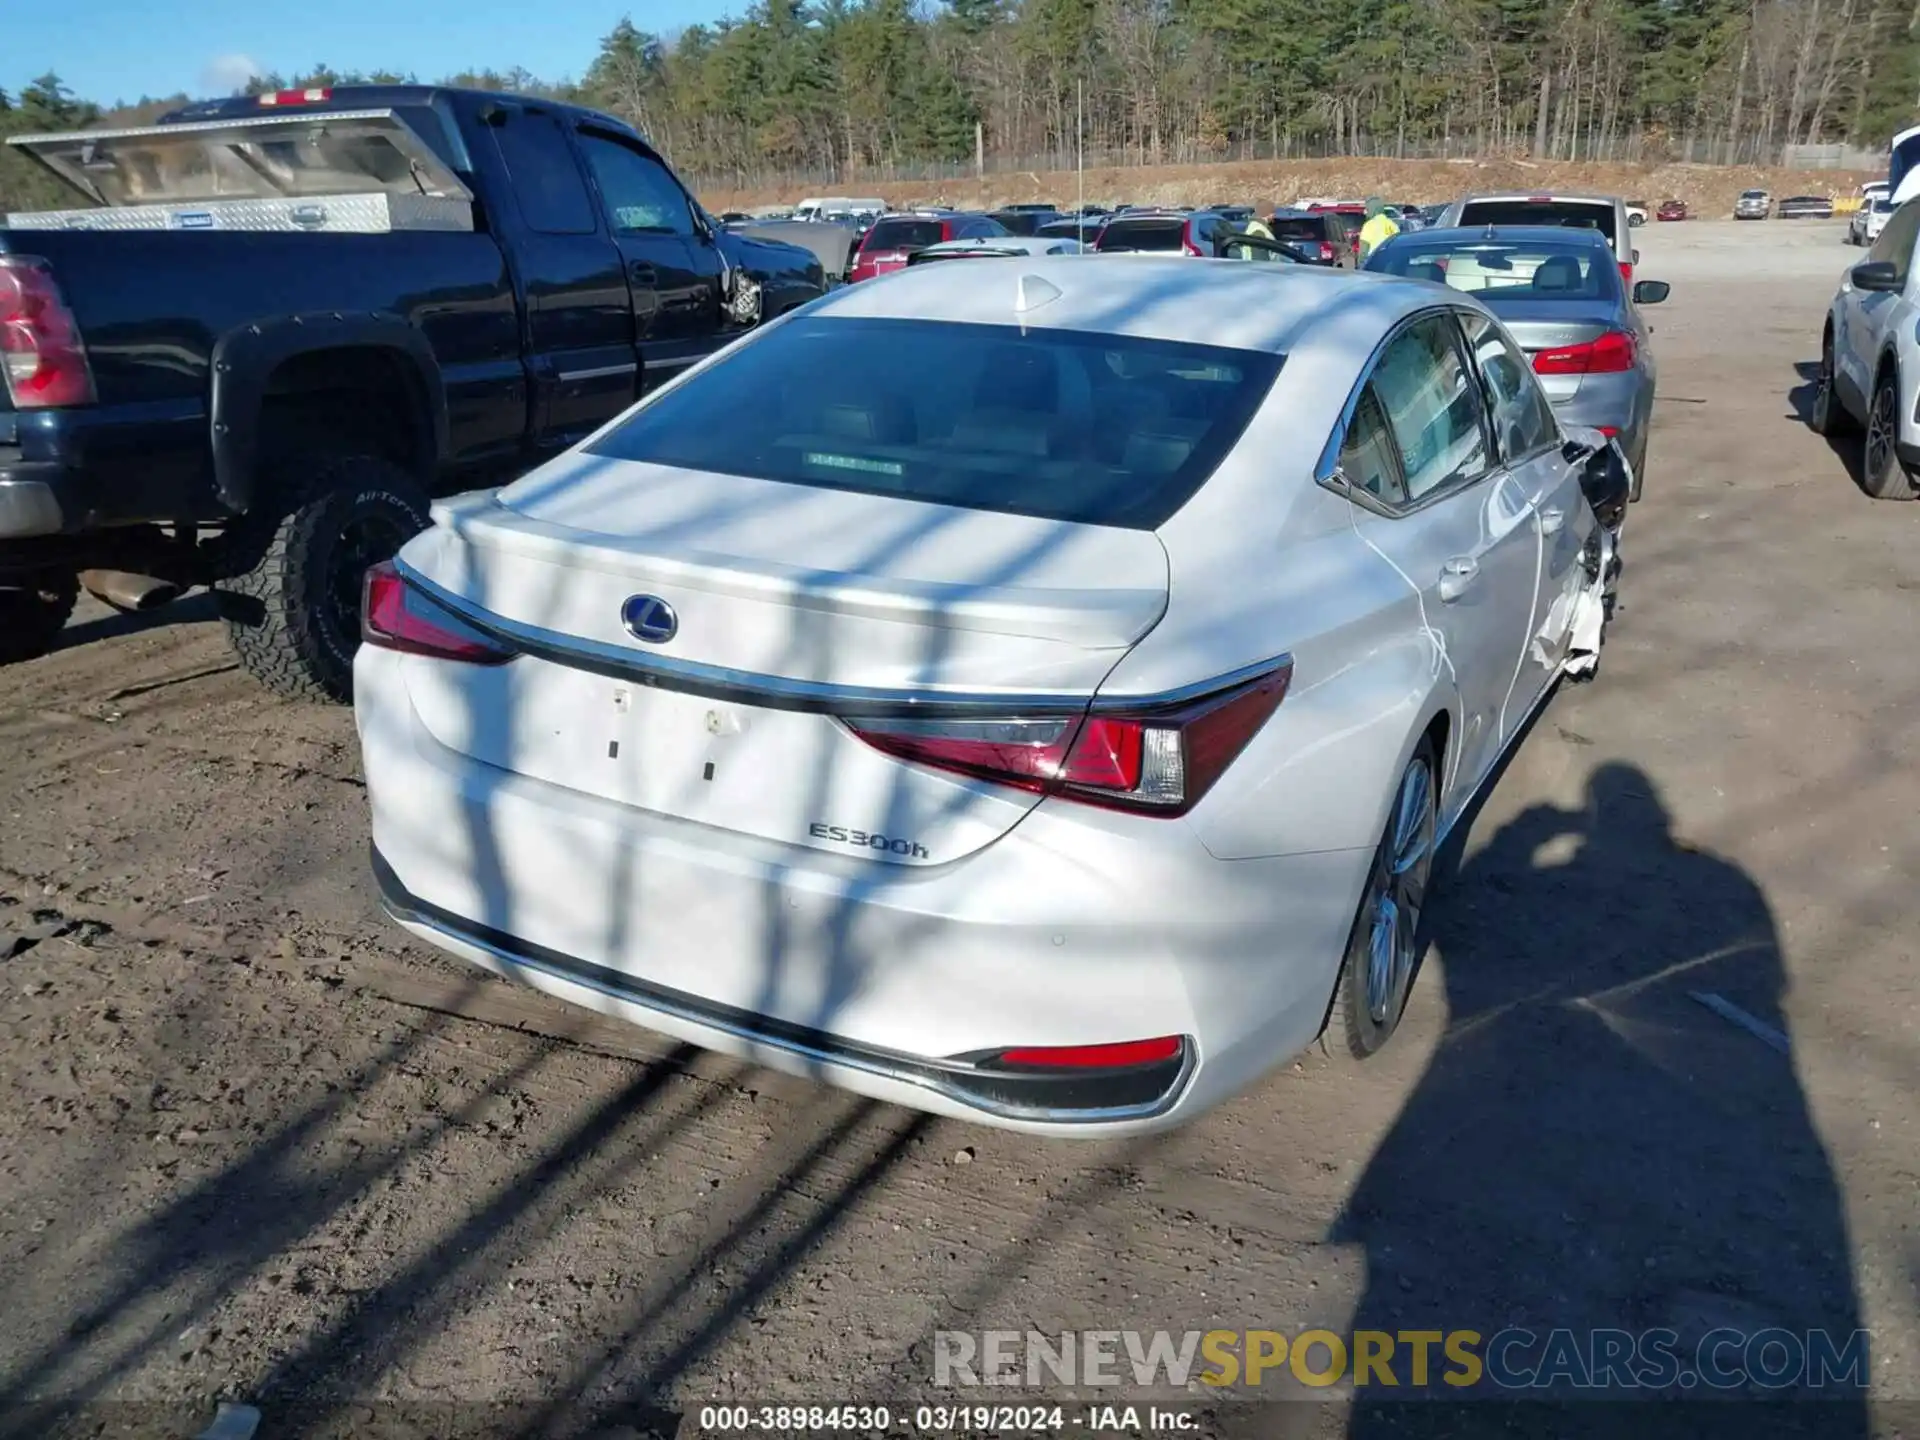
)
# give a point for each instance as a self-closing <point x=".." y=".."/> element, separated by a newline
<point x="1157" y="761"/>
<point x="1326" y="251"/>
<point x="396" y="616"/>
<point x="312" y="96"/>
<point x="41" y="353"/>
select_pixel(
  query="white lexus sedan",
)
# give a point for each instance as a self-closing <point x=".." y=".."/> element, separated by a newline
<point x="1031" y="693"/>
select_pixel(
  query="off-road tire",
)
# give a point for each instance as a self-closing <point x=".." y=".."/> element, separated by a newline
<point x="32" y="616"/>
<point x="1883" y="475"/>
<point x="290" y="603"/>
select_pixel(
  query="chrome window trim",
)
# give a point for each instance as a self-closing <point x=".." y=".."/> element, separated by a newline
<point x="775" y="692"/>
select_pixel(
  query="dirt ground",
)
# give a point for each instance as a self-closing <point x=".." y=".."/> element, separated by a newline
<point x="1709" y="190"/>
<point x="255" y="1147"/>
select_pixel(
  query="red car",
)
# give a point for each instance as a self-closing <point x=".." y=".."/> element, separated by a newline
<point x="1671" y="210"/>
<point x="895" y="237"/>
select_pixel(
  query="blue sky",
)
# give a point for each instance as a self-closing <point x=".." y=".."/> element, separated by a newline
<point x="119" y="49"/>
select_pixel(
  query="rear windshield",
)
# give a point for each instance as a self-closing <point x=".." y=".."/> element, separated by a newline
<point x="1142" y="235"/>
<point x="905" y="234"/>
<point x="1302" y="229"/>
<point x="1056" y="424"/>
<point x="1576" y="214"/>
<point x="1534" y="270"/>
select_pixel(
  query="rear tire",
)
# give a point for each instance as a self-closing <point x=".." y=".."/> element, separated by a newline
<point x="292" y="605"/>
<point x="1826" y="415"/>
<point x="1882" y="473"/>
<point x="32" y="616"/>
<point x="1389" y="935"/>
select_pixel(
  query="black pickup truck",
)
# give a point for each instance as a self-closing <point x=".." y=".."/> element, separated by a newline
<point x="273" y="327"/>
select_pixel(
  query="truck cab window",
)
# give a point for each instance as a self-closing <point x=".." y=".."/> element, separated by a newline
<point x="546" y="180"/>
<point x="640" y="197"/>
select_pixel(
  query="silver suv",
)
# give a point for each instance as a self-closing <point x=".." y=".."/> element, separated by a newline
<point x="1870" y="360"/>
<point x="1753" y="205"/>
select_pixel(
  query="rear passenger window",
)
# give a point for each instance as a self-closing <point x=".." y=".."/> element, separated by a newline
<point x="1432" y="405"/>
<point x="1523" y="422"/>
<point x="1366" y="454"/>
<point x="546" y="179"/>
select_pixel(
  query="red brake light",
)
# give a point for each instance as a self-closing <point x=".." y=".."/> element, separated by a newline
<point x="1158" y="760"/>
<point x="312" y="96"/>
<point x="43" y="360"/>
<point x="1612" y="353"/>
<point x="1187" y="247"/>
<point x="396" y="616"/>
<point x="1626" y="271"/>
<point x="1093" y="1057"/>
<point x="1326" y="250"/>
<point x="1539" y="200"/>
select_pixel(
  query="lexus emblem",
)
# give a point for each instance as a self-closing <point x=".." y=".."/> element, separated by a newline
<point x="649" y="618"/>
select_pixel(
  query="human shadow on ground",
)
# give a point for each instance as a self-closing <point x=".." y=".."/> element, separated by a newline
<point x="1576" y="946"/>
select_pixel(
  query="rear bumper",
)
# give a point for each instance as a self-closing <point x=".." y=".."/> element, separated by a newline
<point x="30" y="500"/>
<point x="891" y="981"/>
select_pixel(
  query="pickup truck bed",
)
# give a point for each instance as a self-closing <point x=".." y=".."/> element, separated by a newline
<point x="203" y="391"/>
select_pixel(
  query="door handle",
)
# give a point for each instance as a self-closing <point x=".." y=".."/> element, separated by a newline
<point x="1456" y="575"/>
<point x="641" y="273"/>
<point x="1551" y="520"/>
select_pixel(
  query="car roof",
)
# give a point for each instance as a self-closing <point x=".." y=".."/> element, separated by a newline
<point x="1001" y="244"/>
<point x="1217" y="302"/>
<point x="1554" y="198"/>
<point x="381" y="97"/>
<point x="1513" y="235"/>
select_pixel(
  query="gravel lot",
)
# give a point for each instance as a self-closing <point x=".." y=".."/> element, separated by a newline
<point x="255" y="1147"/>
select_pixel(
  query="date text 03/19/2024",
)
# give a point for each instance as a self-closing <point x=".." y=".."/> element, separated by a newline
<point x="794" y="1420"/>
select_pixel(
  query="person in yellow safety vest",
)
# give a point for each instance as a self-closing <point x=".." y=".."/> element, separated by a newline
<point x="1379" y="229"/>
<point x="1258" y="228"/>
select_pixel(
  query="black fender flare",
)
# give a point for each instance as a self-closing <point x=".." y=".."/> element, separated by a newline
<point x="245" y="358"/>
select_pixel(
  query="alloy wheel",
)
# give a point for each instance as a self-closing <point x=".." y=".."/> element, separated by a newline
<point x="1398" y="891"/>
<point x="1880" y="425"/>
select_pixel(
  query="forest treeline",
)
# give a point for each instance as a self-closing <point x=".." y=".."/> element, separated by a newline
<point x="845" y="88"/>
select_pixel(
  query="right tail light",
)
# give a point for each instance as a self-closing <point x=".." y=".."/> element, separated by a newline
<point x="1157" y="760"/>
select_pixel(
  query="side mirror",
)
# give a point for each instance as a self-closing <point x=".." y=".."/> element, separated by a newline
<point x="1875" y="275"/>
<point x="1650" y="292"/>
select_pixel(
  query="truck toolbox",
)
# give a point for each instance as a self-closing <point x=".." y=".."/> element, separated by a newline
<point x="327" y="172"/>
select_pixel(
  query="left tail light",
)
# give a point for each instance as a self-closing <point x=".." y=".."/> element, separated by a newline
<point x="1326" y="251"/>
<point x="397" y="616"/>
<point x="42" y="356"/>
<point x="1160" y="760"/>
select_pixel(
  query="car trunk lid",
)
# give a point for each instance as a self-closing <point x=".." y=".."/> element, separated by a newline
<point x="793" y="607"/>
<point x="1538" y="326"/>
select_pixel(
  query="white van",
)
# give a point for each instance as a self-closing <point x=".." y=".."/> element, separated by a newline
<point x="818" y="207"/>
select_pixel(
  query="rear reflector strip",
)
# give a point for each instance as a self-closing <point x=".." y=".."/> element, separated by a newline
<point x="1094" y="1057"/>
